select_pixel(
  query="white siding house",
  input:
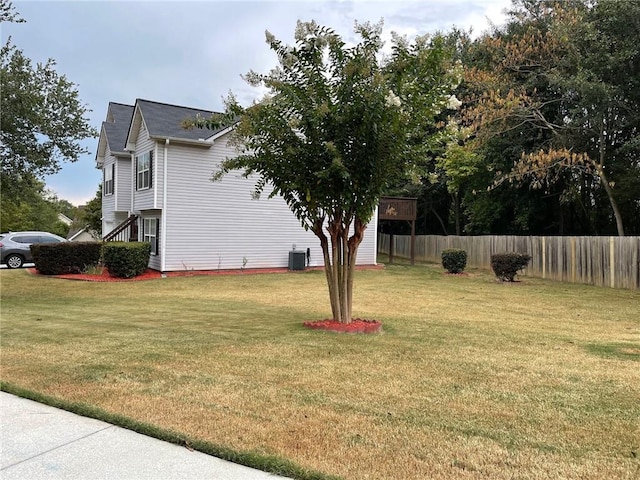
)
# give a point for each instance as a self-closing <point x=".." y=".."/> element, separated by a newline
<point x="192" y="222"/>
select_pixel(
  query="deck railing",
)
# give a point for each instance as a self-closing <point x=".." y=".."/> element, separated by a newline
<point x="127" y="231"/>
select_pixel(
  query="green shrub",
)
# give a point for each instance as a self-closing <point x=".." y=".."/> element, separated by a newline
<point x="126" y="259"/>
<point x="506" y="265"/>
<point x="454" y="260"/>
<point x="65" y="257"/>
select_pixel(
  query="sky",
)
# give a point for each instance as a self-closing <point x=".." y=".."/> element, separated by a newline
<point x="193" y="53"/>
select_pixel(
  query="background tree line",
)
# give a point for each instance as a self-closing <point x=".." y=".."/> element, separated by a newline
<point x="42" y="122"/>
<point x="546" y="139"/>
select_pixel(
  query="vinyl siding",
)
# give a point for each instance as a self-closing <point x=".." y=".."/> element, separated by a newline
<point x="123" y="181"/>
<point x="215" y="225"/>
<point x="111" y="220"/>
<point x="146" y="199"/>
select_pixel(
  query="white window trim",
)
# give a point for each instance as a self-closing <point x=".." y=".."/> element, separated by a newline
<point x="149" y="231"/>
<point x="141" y="172"/>
<point x="108" y="171"/>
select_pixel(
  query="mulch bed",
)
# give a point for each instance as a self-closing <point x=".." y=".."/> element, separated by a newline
<point x="105" y="276"/>
<point x="150" y="274"/>
<point x="357" y="325"/>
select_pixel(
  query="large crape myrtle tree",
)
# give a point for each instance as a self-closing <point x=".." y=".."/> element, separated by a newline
<point x="334" y="130"/>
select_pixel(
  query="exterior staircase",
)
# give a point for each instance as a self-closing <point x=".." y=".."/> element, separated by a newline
<point x="127" y="231"/>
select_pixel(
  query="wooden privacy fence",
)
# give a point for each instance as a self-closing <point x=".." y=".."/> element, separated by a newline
<point x="602" y="261"/>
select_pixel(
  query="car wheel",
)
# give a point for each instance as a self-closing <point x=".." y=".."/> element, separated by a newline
<point x="14" y="261"/>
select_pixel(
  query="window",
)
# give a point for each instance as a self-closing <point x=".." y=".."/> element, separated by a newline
<point x="144" y="171"/>
<point x="48" y="239"/>
<point x="108" y="179"/>
<point x="25" y="239"/>
<point x="150" y="229"/>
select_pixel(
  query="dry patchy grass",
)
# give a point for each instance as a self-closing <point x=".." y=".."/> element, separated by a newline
<point x="470" y="379"/>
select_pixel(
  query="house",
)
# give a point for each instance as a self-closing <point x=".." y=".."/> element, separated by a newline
<point x="81" y="235"/>
<point x="157" y="188"/>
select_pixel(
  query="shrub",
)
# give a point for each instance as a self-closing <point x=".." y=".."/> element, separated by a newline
<point x="126" y="259"/>
<point x="65" y="257"/>
<point x="506" y="265"/>
<point x="454" y="260"/>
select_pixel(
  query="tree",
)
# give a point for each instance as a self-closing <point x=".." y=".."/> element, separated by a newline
<point x="42" y="119"/>
<point x="333" y="133"/>
<point x="557" y="81"/>
<point x="8" y="13"/>
<point x="90" y="216"/>
<point x="33" y="209"/>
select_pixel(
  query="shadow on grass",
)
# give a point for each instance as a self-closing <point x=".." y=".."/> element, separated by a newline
<point x="619" y="351"/>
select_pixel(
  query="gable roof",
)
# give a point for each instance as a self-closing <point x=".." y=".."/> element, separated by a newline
<point x="114" y="130"/>
<point x="118" y="128"/>
<point x="164" y="121"/>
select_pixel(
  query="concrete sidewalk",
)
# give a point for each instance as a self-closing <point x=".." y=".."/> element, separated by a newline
<point x="42" y="442"/>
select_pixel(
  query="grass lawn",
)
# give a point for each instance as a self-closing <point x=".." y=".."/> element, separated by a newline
<point x="471" y="378"/>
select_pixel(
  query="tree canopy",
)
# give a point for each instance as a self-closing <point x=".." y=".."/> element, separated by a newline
<point x="551" y="77"/>
<point x="547" y="133"/>
<point x="34" y="209"/>
<point x="43" y="119"/>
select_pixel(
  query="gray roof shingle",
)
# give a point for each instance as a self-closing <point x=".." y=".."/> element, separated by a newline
<point x="118" y="129"/>
<point x="165" y="121"/>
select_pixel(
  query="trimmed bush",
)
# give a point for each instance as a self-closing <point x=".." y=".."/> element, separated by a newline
<point x="126" y="259"/>
<point x="507" y="265"/>
<point x="65" y="257"/>
<point x="454" y="260"/>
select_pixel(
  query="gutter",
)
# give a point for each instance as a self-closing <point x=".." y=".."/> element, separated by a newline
<point x="200" y="142"/>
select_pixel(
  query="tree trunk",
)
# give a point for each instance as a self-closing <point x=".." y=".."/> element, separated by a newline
<point x="339" y="252"/>
<point x="334" y="267"/>
<point x="456" y="210"/>
<point x="605" y="182"/>
<point x="354" y="243"/>
<point x="444" y="228"/>
<point x="612" y="200"/>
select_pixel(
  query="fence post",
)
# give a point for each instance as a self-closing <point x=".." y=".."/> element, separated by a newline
<point x="544" y="258"/>
<point x="573" y="260"/>
<point x="413" y="242"/>
<point x="612" y="268"/>
<point x="391" y="248"/>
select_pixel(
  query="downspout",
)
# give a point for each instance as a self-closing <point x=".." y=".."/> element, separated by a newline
<point x="375" y="242"/>
<point x="133" y="182"/>
<point x="163" y="224"/>
<point x="155" y="183"/>
<point x="115" y="186"/>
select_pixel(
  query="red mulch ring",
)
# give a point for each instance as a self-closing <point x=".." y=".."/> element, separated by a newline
<point x="357" y="325"/>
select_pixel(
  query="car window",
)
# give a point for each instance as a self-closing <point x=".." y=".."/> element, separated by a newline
<point x="48" y="239"/>
<point x="25" y="239"/>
